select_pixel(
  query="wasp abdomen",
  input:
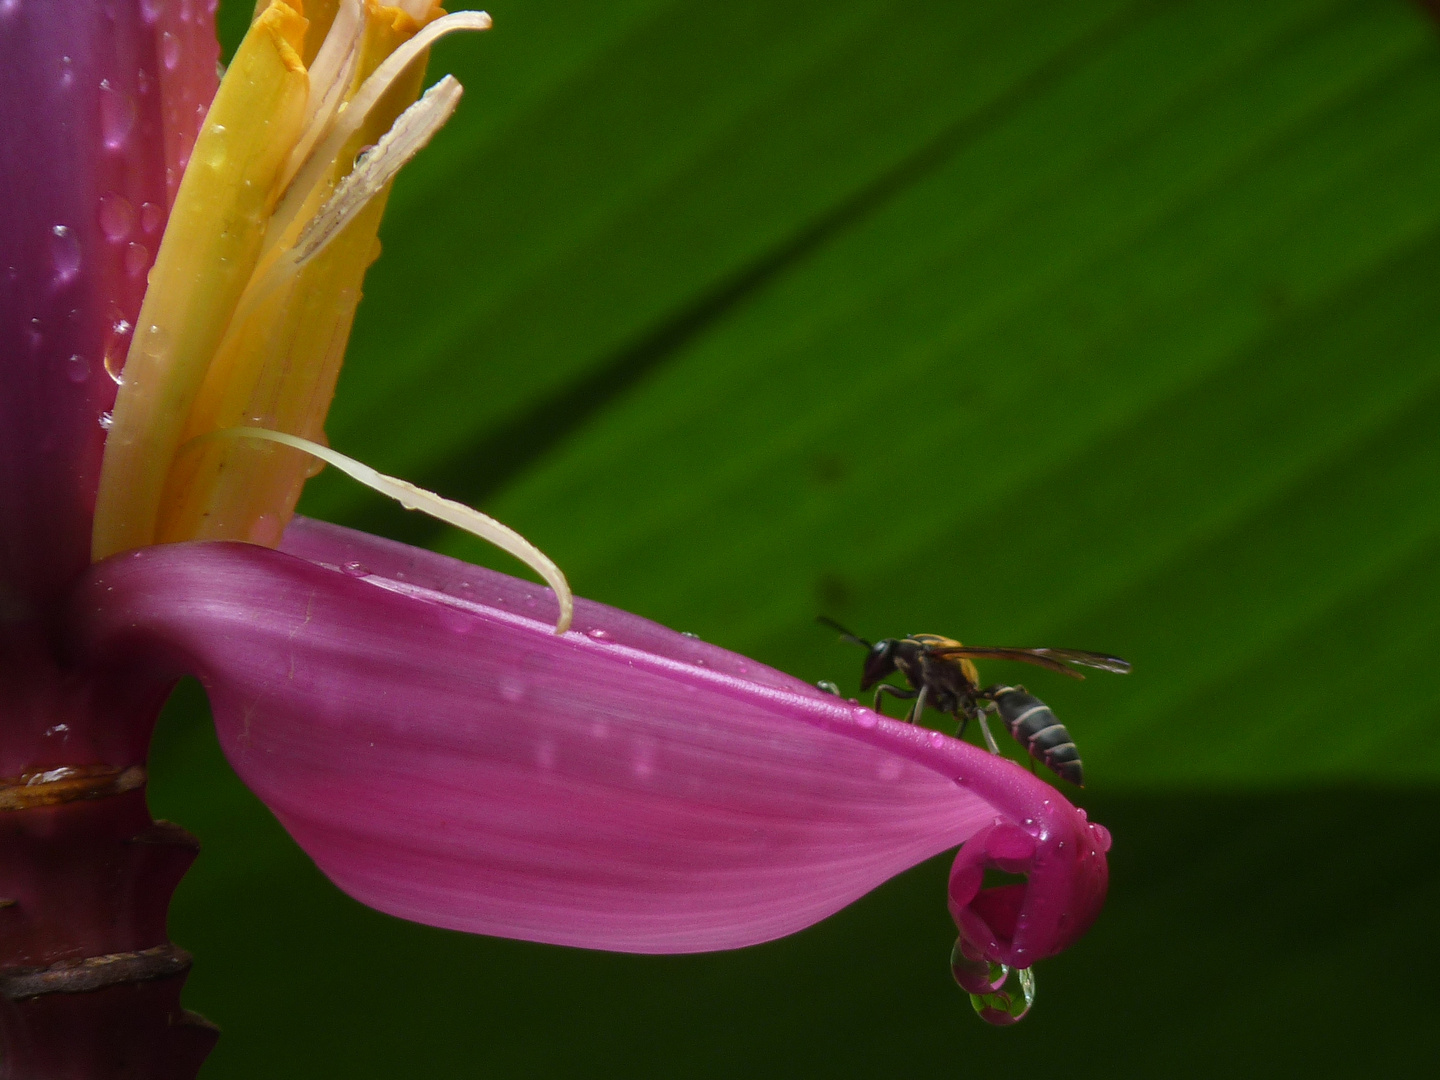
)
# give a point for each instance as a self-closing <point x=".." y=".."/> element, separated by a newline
<point x="1035" y="727"/>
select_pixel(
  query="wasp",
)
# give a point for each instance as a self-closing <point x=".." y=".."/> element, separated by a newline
<point x="942" y="675"/>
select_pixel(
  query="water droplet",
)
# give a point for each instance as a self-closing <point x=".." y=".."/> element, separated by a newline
<point x="77" y="368"/>
<point x="155" y="344"/>
<point x="152" y="216"/>
<point x="67" y="73"/>
<point x="599" y="634"/>
<point x="57" y="729"/>
<point x="1101" y="835"/>
<point x="106" y="420"/>
<point x="117" y="217"/>
<point x="1002" y="1008"/>
<point x="973" y="973"/>
<point x="866" y="718"/>
<point x="937" y="739"/>
<point x="137" y="259"/>
<point x="215" y="141"/>
<point x="687" y="633"/>
<point x="64" y="254"/>
<point x="354" y="569"/>
<point x="984" y="982"/>
<point x="644" y="762"/>
<point x="169" y="51"/>
<point x="117" y="115"/>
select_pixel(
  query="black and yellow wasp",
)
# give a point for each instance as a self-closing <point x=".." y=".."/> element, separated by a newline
<point x="942" y="675"/>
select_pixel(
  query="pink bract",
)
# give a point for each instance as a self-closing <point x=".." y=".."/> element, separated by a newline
<point x="420" y="730"/>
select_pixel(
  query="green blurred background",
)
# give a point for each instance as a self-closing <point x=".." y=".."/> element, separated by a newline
<point x="1110" y="325"/>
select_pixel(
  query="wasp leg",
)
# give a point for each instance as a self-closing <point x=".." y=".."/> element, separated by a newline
<point x="989" y="739"/>
<point x="895" y="691"/>
<point x="919" y="706"/>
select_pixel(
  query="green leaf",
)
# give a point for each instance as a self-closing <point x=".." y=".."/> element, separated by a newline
<point x="1109" y="325"/>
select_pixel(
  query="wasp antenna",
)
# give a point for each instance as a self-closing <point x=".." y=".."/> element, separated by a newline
<point x="856" y="638"/>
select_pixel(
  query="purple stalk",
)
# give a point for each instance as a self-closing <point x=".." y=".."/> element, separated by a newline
<point x="98" y="106"/>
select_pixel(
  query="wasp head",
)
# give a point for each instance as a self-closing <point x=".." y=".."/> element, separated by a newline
<point x="879" y="664"/>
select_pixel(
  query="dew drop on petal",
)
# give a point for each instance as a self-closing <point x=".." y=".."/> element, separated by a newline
<point x="67" y="73"/>
<point x="152" y="216"/>
<point x="355" y="569"/>
<point x="937" y="739"/>
<point x="77" y="368"/>
<point x="137" y="259"/>
<point x="598" y="634"/>
<point x="866" y="718"/>
<point x="117" y="115"/>
<point x="169" y="51"/>
<point x="106" y="419"/>
<point x="117" y="217"/>
<point x="1102" y="836"/>
<point x="64" y="254"/>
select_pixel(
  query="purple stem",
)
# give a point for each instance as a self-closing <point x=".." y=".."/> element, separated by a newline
<point x="99" y="102"/>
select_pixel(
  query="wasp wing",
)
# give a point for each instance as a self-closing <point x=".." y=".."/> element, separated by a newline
<point x="1054" y="659"/>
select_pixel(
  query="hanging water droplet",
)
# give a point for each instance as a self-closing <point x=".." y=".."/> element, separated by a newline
<point x="996" y="1005"/>
<point x="152" y="216"/>
<point x="77" y="368"/>
<point x="117" y="217"/>
<point x="974" y="974"/>
<point x="169" y="51"/>
<point x="117" y="115"/>
<point x="64" y="254"/>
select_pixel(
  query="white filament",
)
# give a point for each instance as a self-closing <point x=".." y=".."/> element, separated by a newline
<point x="355" y="111"/>
<point x="409" y="134"/>
<point x="413" y="497"/>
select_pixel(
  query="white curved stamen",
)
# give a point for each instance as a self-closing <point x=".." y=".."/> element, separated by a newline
<point x="413" y="497"/>
<point x="358" y="108"/>
<point x="377" y="167"/>
<point x="329" y="78"/>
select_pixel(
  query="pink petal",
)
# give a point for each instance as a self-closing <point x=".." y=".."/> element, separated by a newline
<point x="442" y="755"/>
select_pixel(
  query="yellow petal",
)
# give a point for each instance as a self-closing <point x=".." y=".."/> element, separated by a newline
<point x="277" y="366"/>
<point x="208" y="253"/>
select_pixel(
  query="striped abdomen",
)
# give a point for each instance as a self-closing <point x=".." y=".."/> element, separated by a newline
<point x="1034" y="727"/>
